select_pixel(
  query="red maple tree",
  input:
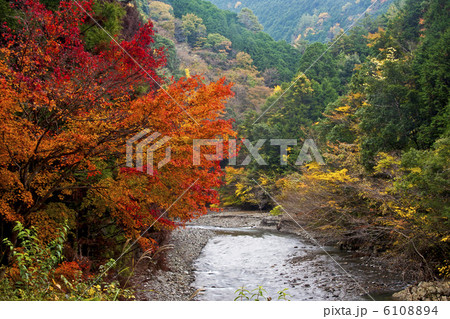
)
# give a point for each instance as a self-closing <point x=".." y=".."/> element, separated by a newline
<point x="66" y="114"/>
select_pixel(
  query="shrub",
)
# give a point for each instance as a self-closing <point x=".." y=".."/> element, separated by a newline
<point x="38" y="272"/>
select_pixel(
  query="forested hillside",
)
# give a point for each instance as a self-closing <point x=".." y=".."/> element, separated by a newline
<point x="377" y="104"/>
<point x="311" y="20"/>
<point x="265" y="52"/>
<point x="81" y="82"/>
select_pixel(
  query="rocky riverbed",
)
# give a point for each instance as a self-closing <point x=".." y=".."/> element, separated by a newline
<point x="330" y="280"/>
<point x="425" y="291"/>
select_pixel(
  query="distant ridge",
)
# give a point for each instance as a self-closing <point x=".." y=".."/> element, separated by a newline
<point x="312" y="20"/>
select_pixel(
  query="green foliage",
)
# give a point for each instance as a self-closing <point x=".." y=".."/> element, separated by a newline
<point x="173" y="62"/>
<point x="405" y="82"/>
<point x="247" y="18"/>
<point x="34" y="275"/>
<point x="433" y="72"/>
<point x="277" y="211"/>
<point x="242" y="294"/>
<point x="383" y="112"/>
<point x="143" y="7"/>
<point x="313" y="19"/>
<point x="296" y="109"/>
<point x="259" y="294"/>
<point x="290" y="114"/>
<point x="265" y="52"/>
<point x="241" y="190"/>
<point x="7" y="13"/>
<point x="161" y="14"/>
<point x="157" y="11"/>
<point x="429" y="172"/>
<point x="34" y="262"/>
<point x="51" y="4"/>
<point x="193" y="28"/>
<point x="217" y="42"/>
<point x="390" y="118"/>
<point x="283" y="294"/>
<point x="109" y="15"/>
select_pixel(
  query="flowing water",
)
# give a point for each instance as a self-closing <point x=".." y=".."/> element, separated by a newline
<point x="250" y="257"/>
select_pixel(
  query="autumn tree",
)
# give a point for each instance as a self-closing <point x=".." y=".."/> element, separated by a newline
<point x="218" y="43"/>
<point x="247" y="18"/>
<point x="193" y="28"/>
<point x="67" y="114"/>
<point x="162" y="14"/>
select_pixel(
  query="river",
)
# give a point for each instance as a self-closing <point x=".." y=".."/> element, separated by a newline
<point x="251" y="257"/>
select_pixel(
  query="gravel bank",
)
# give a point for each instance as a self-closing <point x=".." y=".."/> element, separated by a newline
<point x="425" y="291"/>
<point x="174" y="284"/>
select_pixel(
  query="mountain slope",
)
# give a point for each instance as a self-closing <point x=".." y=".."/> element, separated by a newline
<point x="313" y="20"/>
<point x="264" y="50"/>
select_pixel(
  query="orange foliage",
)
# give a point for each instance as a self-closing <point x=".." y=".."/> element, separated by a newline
<point x="69" y="270"/>
<point x="66" y="115"/>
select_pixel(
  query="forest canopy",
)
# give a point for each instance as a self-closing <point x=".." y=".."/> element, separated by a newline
<point x="311" y="20"/>
<point x="80" y="80"/>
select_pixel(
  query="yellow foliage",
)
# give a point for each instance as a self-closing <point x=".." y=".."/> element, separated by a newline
<point x="232" y="174"/>
<point x="328" y="227"/>
<point x="416" y="170"/>
<point x="387" y="164"/>
<point x="374" y="37"/>
<point x="339" y="176"/>
<point x="444" y="271"/>
<point x="263" y="180"/>
<point x="343" y="109"/>
<point x="240" y="189"/>
<point x="405" y="212"/>
<point x="277" y="89"/>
